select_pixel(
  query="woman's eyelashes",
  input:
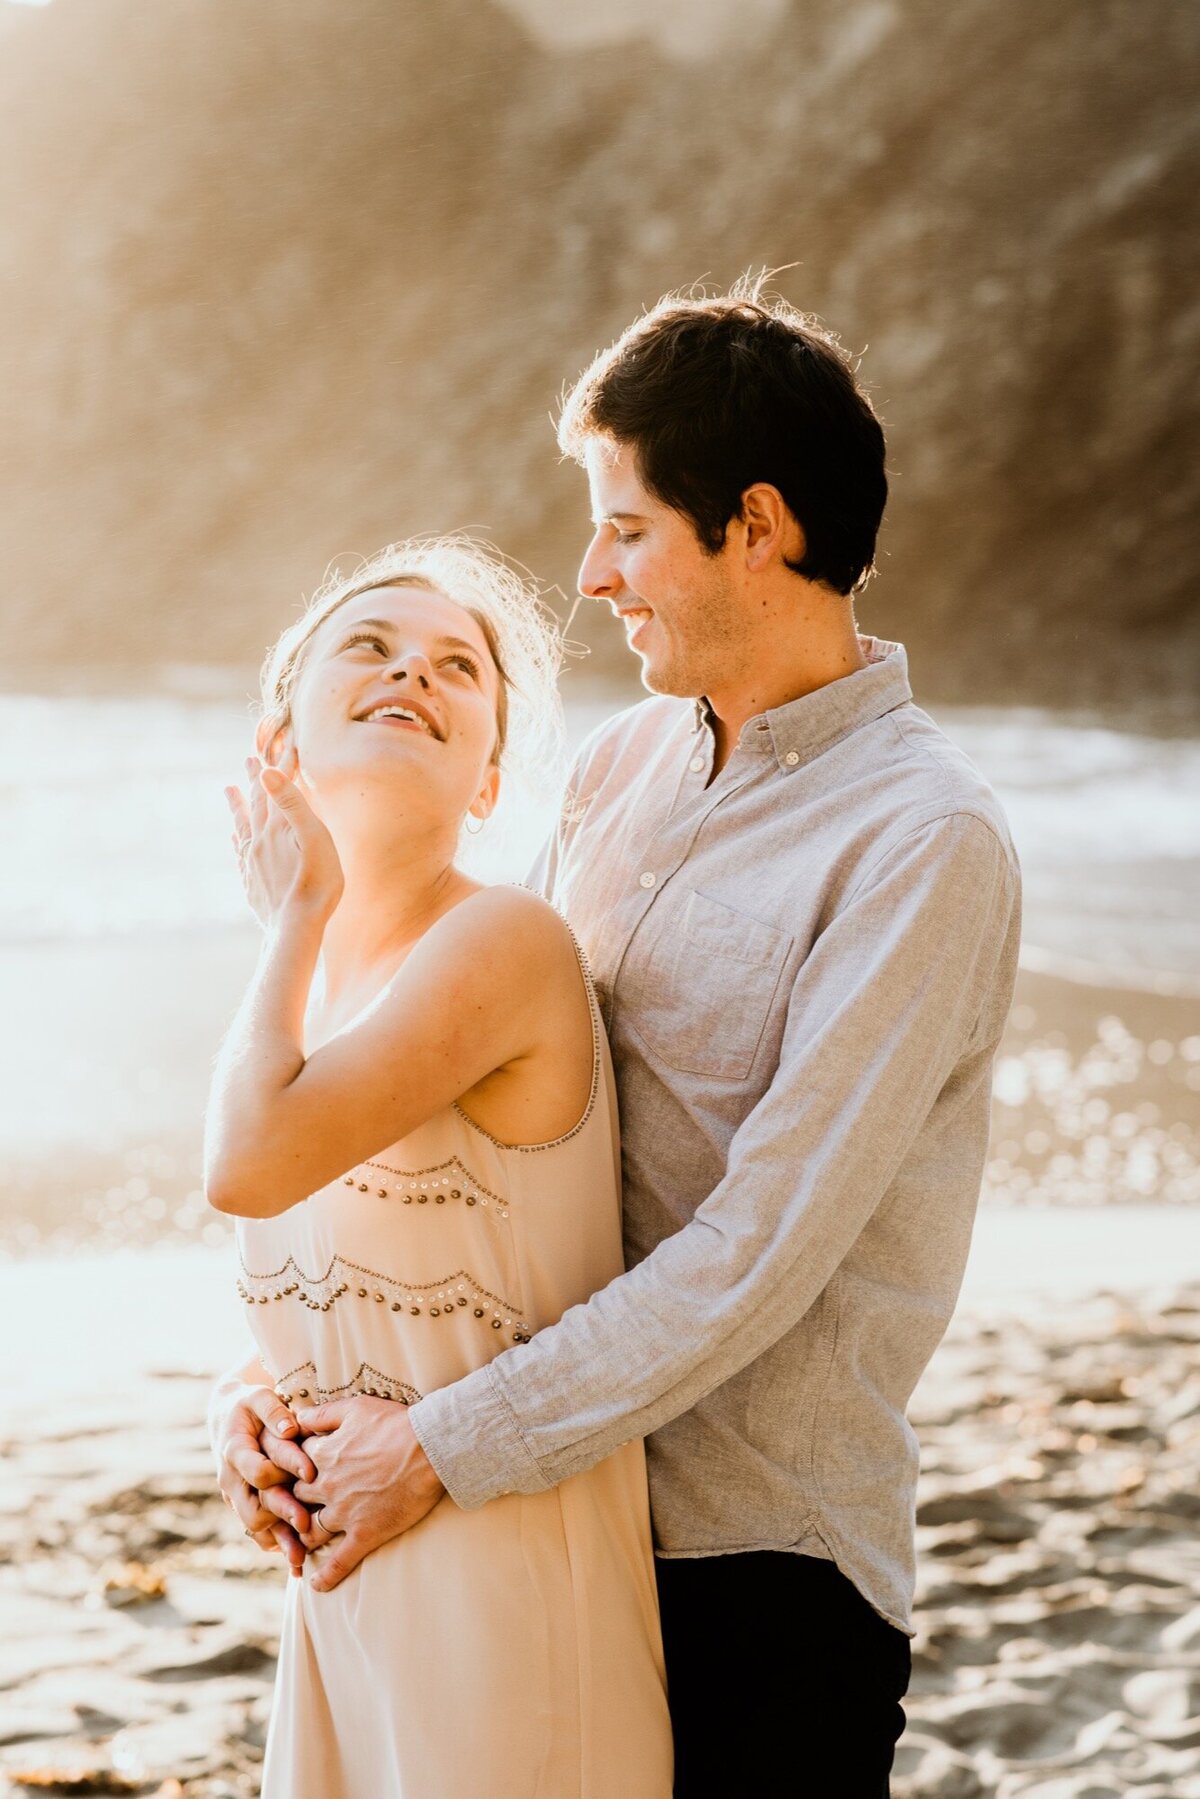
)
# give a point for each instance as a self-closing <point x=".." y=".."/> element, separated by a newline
<point x="459" y="659"/>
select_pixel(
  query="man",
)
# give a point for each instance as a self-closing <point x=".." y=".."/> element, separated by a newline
<point x="800" y="902"/>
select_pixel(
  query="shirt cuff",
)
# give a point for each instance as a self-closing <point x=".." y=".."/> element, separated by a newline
<point x="474" y="1443"/>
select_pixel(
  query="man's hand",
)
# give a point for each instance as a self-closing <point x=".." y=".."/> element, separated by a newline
<point x="372" y="1480"/>
<point x="254" y="1484"/>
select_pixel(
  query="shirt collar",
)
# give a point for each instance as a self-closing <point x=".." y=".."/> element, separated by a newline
<point x="802" y="728"/>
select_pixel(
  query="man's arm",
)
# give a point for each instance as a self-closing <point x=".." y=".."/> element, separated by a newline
<point x="886" y="1005"/>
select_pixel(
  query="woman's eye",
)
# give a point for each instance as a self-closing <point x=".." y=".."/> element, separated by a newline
<point x="374" y="643"/>
<point x="467" y="663"/>
<point x="628" y="536"/>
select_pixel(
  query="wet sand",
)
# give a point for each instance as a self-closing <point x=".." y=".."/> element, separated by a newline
<point x="1058" y="1606"/>
<point x="1058" y="1646"/>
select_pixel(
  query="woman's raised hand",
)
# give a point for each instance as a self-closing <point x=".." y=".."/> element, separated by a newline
<point x="286" y="856"/>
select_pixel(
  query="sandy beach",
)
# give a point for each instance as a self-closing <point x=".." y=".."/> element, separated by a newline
<point x="1058" y="1645"/>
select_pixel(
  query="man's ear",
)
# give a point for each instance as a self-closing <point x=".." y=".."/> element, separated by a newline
<point x="770" y="528"/>
<point x="484" y="803"/>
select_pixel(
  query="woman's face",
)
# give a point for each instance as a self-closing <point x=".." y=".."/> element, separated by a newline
<point x="398" y="689"/>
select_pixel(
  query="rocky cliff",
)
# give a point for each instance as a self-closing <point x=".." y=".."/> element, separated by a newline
<point x="281" y="281"/>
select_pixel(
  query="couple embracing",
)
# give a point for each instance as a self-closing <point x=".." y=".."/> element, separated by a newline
<point x="775" y="932"/>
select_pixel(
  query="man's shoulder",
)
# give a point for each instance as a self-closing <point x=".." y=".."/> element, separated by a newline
<point x="634" y="731"/>
<point x="926" y="775"/>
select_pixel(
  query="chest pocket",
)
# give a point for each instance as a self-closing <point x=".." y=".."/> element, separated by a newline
<point x="703" y="995"/>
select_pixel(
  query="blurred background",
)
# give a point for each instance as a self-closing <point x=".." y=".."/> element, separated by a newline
<point x="282" y="282"/>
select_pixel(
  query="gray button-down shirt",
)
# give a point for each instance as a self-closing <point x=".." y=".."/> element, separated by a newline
<point x="805" y="968"/>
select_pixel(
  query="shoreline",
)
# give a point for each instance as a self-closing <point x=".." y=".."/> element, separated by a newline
<point x="105" y="1069"/>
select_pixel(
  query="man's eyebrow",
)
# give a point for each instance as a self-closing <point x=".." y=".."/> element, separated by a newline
<point x="614" y="518"/>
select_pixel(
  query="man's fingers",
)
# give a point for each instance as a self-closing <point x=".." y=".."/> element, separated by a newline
<point x="340" y="1559"/>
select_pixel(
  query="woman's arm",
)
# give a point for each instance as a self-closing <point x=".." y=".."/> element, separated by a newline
<point x="471" y="997"/>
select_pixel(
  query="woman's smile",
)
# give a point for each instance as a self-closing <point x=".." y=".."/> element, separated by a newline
<point x="414" y="717"/>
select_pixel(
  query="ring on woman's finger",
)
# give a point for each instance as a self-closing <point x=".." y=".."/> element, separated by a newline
<point x="319" y="1522"/>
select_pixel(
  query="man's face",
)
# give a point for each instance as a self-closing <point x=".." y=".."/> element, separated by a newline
<point x="680" y="606"/>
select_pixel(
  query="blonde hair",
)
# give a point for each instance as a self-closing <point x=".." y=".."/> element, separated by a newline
<point x="522" y="634"/>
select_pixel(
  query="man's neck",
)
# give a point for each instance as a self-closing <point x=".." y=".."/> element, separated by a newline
<point x="775" y="683"/>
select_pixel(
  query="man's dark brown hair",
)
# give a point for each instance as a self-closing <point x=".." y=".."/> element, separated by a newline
<point x="717" y="393"/>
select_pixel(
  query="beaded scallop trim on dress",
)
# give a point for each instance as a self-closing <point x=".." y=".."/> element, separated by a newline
<point x="459" y="1184"/>
<point x="381" y="1386"/>
<point x="445" y="1297"/>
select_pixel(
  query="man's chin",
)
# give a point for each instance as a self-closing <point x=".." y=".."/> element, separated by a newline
<point x="672" y="682"/>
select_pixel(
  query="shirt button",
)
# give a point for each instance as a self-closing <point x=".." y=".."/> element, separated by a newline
<point x="646" y="880"/>
<point x="696" y="764"/>
<point x="792" y="758"/>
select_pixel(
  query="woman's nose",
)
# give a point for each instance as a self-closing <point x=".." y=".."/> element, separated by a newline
<point x="412" y="666"/>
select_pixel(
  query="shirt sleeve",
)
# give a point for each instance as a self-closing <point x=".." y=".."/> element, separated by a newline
<point x="902" y="985"/>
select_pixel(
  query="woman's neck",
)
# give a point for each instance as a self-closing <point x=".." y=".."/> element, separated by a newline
<point x="394" y="891"/>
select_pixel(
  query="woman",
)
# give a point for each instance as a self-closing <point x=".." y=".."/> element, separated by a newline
<point x="422" y="1157"/>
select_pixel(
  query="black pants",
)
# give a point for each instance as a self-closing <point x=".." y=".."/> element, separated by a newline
<point x="782" y="1680"/>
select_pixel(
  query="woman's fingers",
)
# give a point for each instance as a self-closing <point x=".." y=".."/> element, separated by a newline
<point x="290" y="1547"/>
<point x="260" y="1459"/>
<point x="237" y="806"/>
<point x="253" y="1517"/>
<point x="258" y="798"/>
<point x="318" y="871"/>
<point x="284" y="1506"/>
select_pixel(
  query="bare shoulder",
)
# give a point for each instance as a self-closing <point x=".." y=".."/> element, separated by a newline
<point x="510" y="931"/>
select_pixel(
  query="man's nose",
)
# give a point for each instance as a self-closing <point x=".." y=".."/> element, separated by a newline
<point x="413" y="666"/>
<point x="598" y="578"/>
